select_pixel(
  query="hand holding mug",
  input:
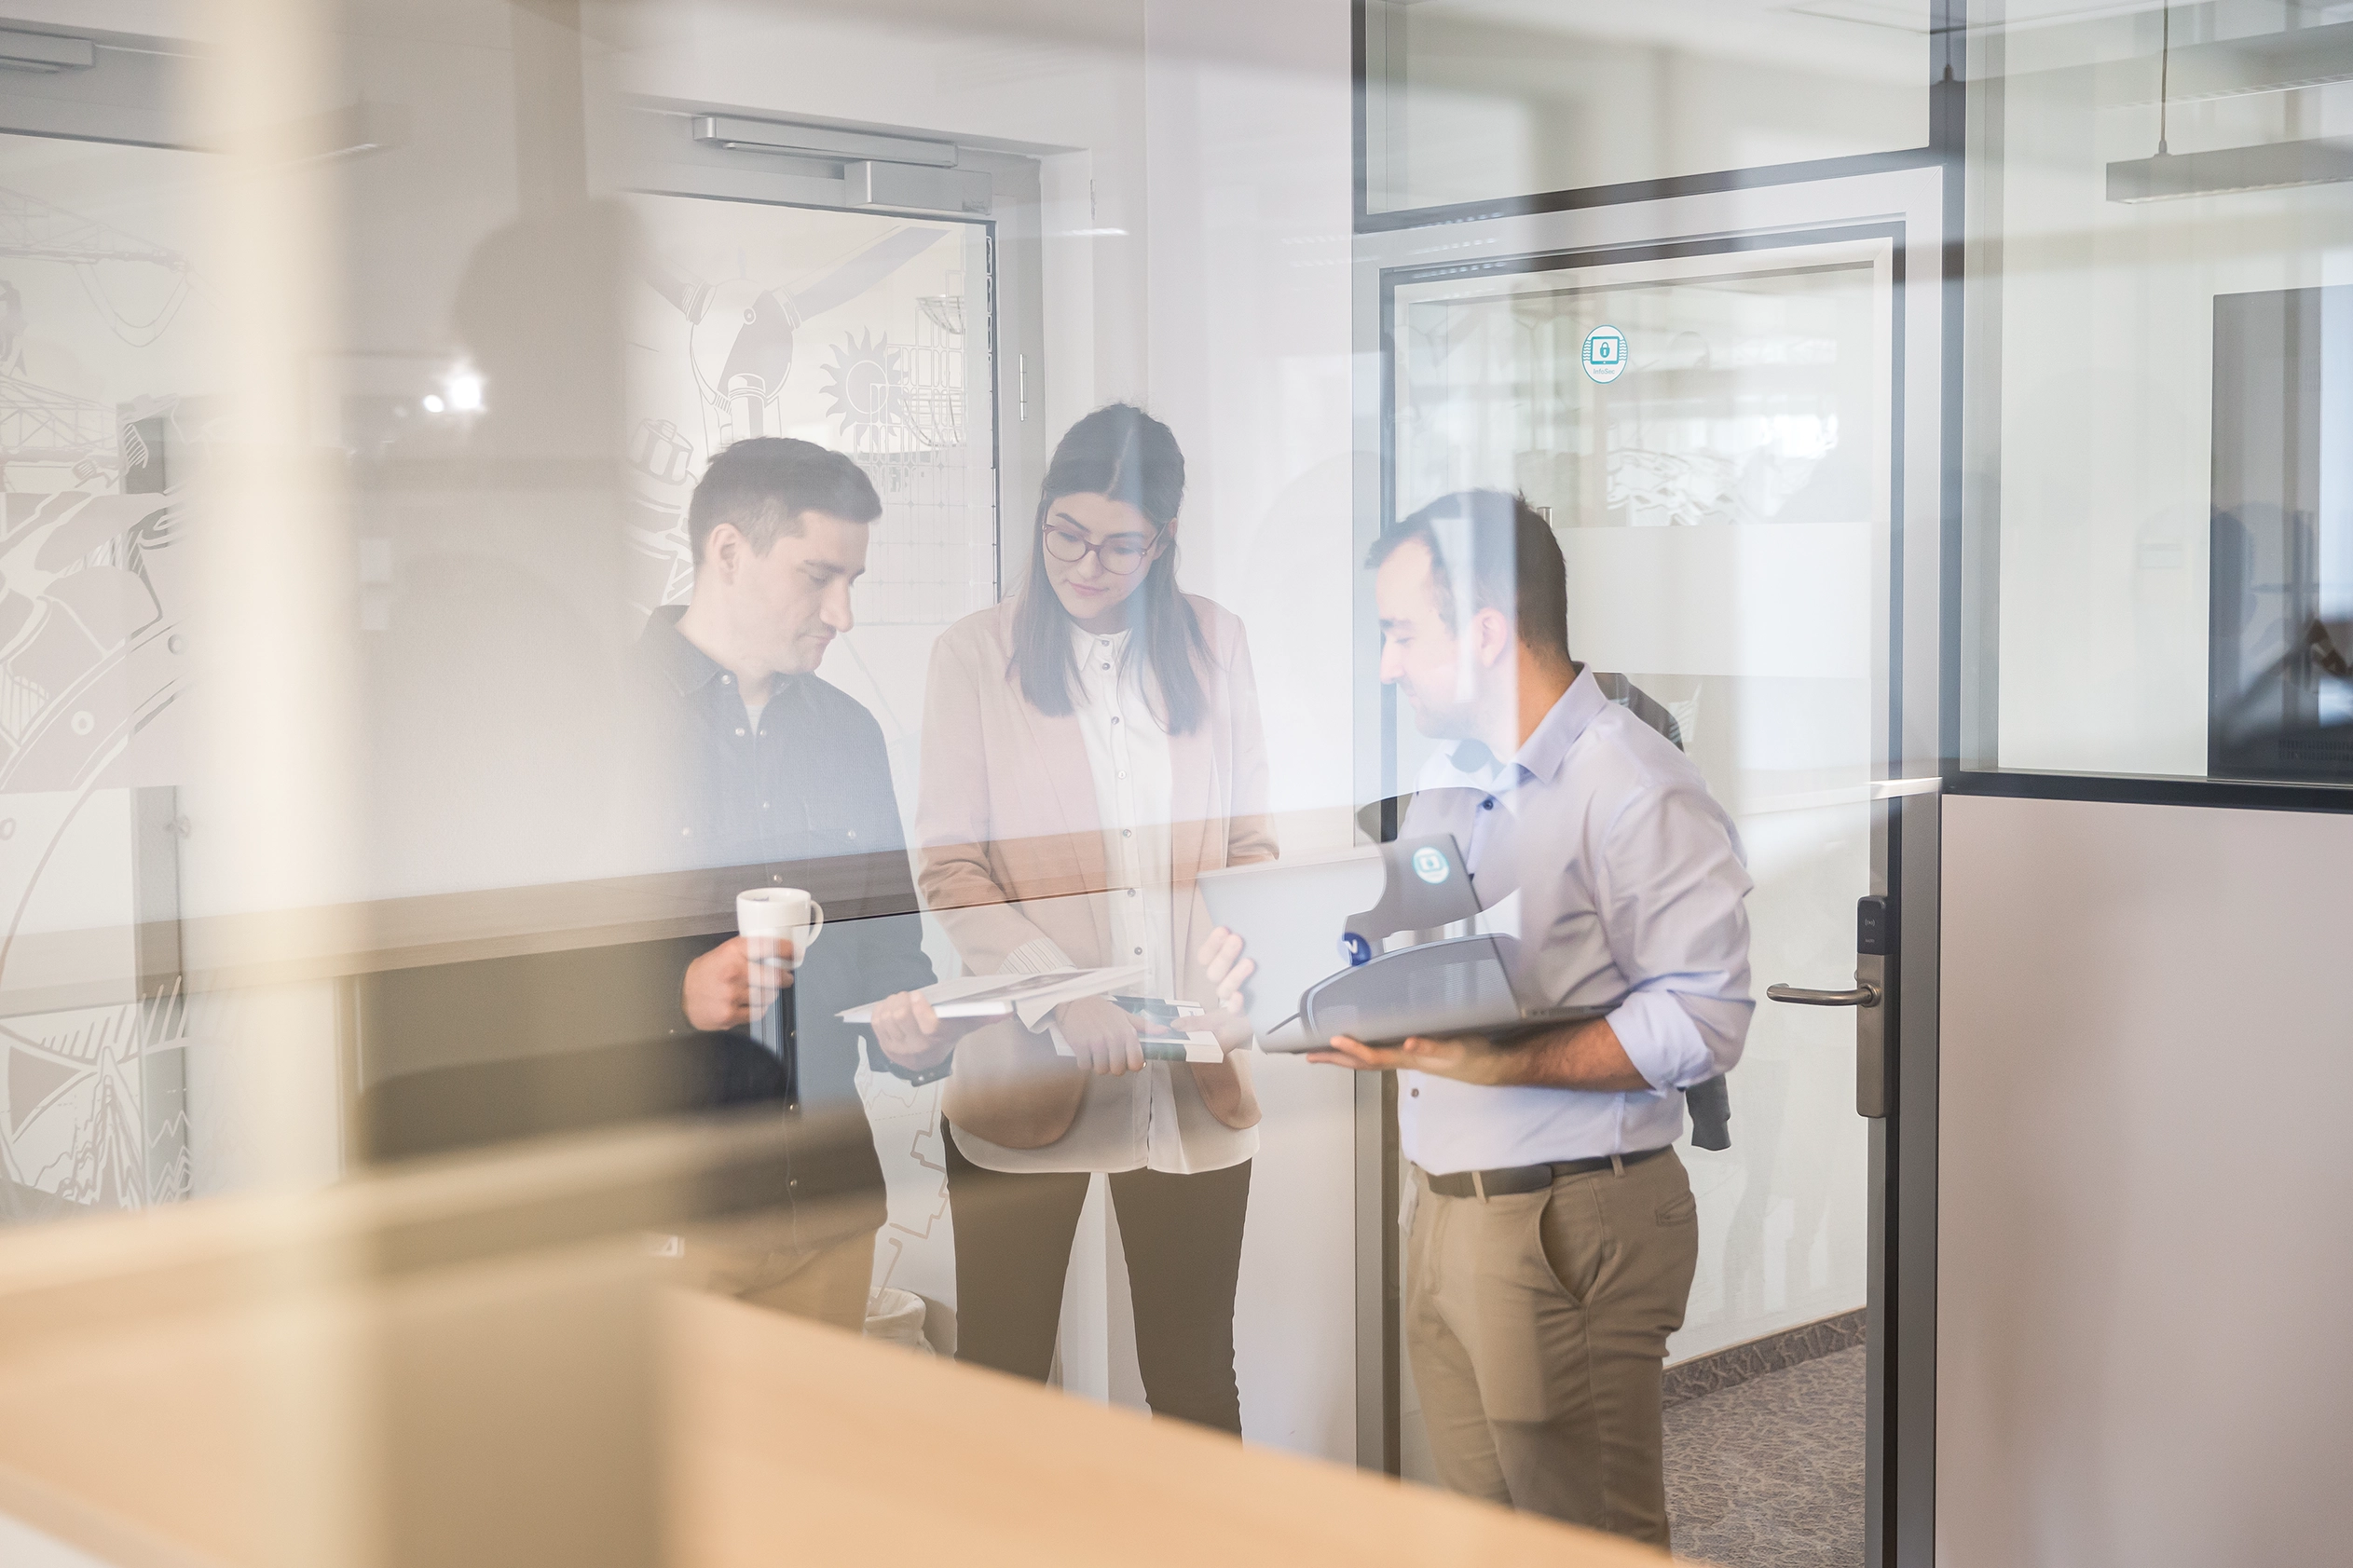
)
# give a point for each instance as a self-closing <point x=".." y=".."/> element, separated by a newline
<point x="723" y="985"/>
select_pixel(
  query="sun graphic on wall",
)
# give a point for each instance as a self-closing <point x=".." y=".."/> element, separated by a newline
<point x="867" y="384"/>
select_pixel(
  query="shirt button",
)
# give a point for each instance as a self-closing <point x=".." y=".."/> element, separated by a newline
<point x="1114" y="718"/>
<point x="1139" y="952"/>
<point x="1127" y="833"/>
<point x="727" y="680"/>
<point x="686" y="833"/>
<point x="1488" y="804"/>
<point x="1131" y="892"/>
<point x="1417" y="1094"/>
<point x="739" y="730"/>
<point x="1123" y="775"/>
<point x="1106" y="666"/>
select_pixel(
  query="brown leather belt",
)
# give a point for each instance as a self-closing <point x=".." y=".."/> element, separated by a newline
<point x="1508" y="1179"/>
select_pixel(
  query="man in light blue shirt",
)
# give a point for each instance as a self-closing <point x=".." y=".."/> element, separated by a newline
<point x="1554" y="1233"/>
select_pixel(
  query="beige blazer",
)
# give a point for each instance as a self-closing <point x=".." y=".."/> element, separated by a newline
<point x="1009" y="844"/>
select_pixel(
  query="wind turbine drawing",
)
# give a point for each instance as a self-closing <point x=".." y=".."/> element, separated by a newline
<point x="741" y="336"/>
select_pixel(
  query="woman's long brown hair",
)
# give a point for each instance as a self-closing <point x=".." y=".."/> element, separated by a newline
<point x="1122" y="453"/>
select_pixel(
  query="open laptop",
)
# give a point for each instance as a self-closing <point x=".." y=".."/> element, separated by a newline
<point x="1314" y="929"/>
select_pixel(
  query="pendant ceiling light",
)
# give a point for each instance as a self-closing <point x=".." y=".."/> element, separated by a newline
<point x="2169" y="176"/>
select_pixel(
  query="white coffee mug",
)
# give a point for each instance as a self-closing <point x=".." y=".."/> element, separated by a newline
<point x="787" y="914"/>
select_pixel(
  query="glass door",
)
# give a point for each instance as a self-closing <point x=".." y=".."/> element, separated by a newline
<point x="869" y="333"/>
<point x="1717" y="427"/>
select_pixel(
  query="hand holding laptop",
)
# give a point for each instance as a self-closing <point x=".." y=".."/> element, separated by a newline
<point x="1471" y="1058"/>
<point x="1228" y="970"/>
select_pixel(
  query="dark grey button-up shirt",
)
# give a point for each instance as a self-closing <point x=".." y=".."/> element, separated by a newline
<point x="800" y="798"/>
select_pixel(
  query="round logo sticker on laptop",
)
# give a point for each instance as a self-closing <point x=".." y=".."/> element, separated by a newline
<point x="1430" y="864"/>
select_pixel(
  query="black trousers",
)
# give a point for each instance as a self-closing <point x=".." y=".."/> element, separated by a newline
<point x="1182" y="1235"/>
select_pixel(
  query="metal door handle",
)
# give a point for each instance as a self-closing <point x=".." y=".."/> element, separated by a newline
<point x="1865" y="994"/>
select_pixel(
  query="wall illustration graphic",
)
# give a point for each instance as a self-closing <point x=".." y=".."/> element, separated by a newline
<point x="98" y="349"/>
<point x="844" y="329"/>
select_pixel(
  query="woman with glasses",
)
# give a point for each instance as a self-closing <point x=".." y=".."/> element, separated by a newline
<point x="1090" y="747"/>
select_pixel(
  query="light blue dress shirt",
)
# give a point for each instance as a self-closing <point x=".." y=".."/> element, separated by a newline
<point x="1599" y="847"/>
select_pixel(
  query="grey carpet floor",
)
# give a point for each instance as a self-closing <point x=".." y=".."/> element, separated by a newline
<point x="1769" y="1473"/>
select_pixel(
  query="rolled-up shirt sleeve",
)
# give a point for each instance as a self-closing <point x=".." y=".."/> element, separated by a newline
<point x="1672" y="896"/>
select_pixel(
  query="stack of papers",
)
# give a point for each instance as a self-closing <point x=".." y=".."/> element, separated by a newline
<point x="1032" y="996"/>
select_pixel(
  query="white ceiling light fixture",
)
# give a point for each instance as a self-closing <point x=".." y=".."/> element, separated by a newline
<point x="2279" y="166"/>
<point x="2170" y="176"/>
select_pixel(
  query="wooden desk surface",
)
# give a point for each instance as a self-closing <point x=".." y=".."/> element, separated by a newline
<point x="789" y="1444"/>
<point x="794" y="1442"/>
<point x="229" y="1383"/>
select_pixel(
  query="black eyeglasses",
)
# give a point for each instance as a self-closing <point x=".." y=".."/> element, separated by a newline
<point x="1122" y="554"/>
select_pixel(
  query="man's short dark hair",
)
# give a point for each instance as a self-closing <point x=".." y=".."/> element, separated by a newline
<point x="1514" y="563"/>
<point x="763" y="485"/>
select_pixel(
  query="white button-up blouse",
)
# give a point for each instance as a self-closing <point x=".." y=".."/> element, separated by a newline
<point x="1130" y="1121"/>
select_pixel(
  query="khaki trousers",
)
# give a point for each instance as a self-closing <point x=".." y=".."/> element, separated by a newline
<point x="1537" y="1324"/>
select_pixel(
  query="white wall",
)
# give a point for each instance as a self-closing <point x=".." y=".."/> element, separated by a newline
<point x="2144" y="1262"/>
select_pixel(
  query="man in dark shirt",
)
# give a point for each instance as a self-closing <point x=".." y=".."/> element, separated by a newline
<point x="749" y="761"/>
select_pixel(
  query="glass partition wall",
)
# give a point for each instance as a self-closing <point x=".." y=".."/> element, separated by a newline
<point x="2158" y="521"/>
<point x="362" y="362"/>
<point x="1923" y="398"/>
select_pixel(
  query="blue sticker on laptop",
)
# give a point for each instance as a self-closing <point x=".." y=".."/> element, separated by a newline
<point x="1430" y="864"/>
